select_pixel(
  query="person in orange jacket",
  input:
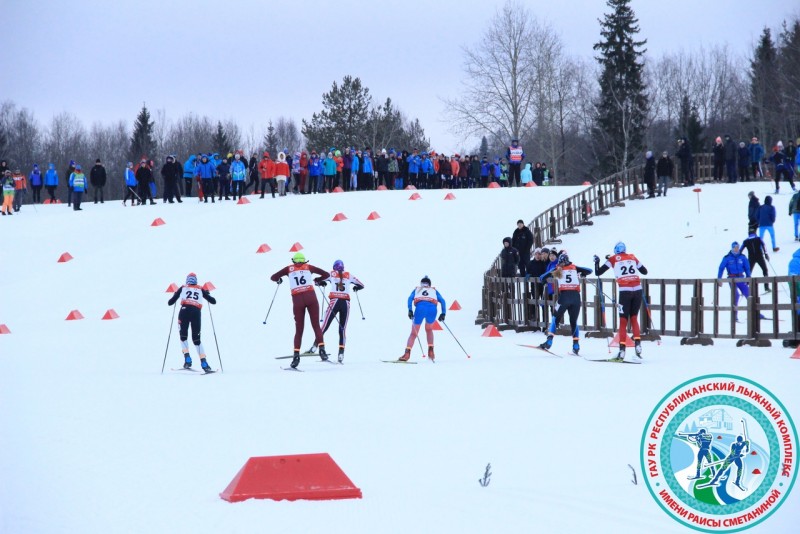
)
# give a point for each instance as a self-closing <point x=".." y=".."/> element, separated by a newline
<point x="266" y="170"/>
<point x="20" y="188"/>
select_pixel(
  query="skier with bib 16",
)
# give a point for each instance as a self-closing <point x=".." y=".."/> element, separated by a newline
<point x="424" y="300"/>
<point x="303" y="299"/>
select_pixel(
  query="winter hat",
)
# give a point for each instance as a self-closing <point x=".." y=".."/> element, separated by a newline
<point x="338" y="265"/>
<point x="520" y="221"/>
<point x="299" y="258"/>
<point x="648" y="154"/>
<point x="779" y="144"/>
<point x="191" y="279"/>
<point x="77" y="166"/>
<point x="97" y="160"/>
<point x="507" y="240"/>
<point x="130" y="164"/>
<point x="741" y="144"/>
<point x="425" y="281"/>
<point x="281" y="156"/>
<point x="36" y="166"/>
<point x="718" y="140"/>
<point x="768" y="200"/>
<point x="734" y="245"/>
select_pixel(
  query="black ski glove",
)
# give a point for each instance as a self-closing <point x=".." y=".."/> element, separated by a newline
<point x="322" y="283"/>
<point x="358" y="288"/>
<point x="766" y="256"/>
<point x="410" y="314"/>
<point x="279" y="281"/>
<point x="441" y="317"/>
<point x="596" y="259"/>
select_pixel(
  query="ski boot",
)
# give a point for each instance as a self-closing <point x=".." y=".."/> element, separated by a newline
<point x="295" y="360"/>
<point x="341" y="355"/>
<point x="547" y="344"/>
<point x="406" y="355"/>
<point x="431" y="355"/>
<point x="576" y="347"/>
<point x="187" y="361"/>
<point x="322" y="354"/>
<point x="637" y="346"/>
<point x="620" y="357"/>
<point x="204" y="365"/>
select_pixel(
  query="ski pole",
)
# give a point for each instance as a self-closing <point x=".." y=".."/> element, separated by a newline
<point x="785" y="291"/>
<point x="325" y="300"/>
<point x="219" y="356"/>
<point x="420" y="346"/>
<point x="454" y="337"/>
<point x="172" y="321"/>
<point x="359" y="306"/>
<point x="270" y="304"/>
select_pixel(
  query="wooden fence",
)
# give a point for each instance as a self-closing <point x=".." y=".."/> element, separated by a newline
<point x="697" y="310"/>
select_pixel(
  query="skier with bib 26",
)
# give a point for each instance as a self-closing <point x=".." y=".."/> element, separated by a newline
<point x="424" y="299"/>
<point x="303" y="299"/>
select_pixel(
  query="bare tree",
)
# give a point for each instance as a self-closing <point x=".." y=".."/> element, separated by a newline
<point x="498" y="92"/>
<point x="288" y="134"/>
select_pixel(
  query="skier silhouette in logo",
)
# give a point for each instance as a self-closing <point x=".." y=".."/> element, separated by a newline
<point x="738" y="449"/>
<point x="703" y="440"/>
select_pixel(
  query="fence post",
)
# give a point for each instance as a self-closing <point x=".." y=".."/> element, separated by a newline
<point x="537" y="234"/>
<point x="569" y="217"/>
<point x="553" y="233"/>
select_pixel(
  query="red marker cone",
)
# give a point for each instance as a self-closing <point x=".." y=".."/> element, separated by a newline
<point x="110" y="314"/>
<point x="337" y="189"/>
<point x="172" y="288"/>
<point x="491" y="331"/>
<point x="74" y="315"/>
<point x="455" y="306"/>
<point x="436" y="326"/>
<point x="158" y="222"/>
<point x="243" y="200"/>
<point x="382" y="188"/>
<point x="339" y="217"/>
<point x="449" y="196"/>
<point x="296" y="247"/>
<point x="530" y="184"/>
<point x="4" y="329"/>
<point x="208" y="286"/>
<point x="373" y="216"/>
<point x="65" y="257"/>
<point x="494" y="185"/>
<point x="263" y="248"/>
<point x="796" y="354"/>
<point x="415" y="196"/>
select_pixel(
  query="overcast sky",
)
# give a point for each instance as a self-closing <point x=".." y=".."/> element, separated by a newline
<point x="254" y="60"/>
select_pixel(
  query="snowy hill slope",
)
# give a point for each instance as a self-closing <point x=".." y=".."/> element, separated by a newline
<point x="94" y="439"/>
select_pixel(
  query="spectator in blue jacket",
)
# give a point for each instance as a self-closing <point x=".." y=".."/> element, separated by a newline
<point x="355" y="166"/>
<point x="743" y="154"/>
<point x="77" y="182"/>
<point x="189" y="173"/>
<point x="35" y="181"/>
<point x="738" y="267"/>
<point x="766" y="221"/>
<point x="51" y="181"/>
<point x="413" y="167"/>
<point x="367" y="169"/>
<point x="426" y="171"/>
<point x="206" y="171"/>
<point x="756" y="156"/>
<point x="314" y="173"/>
<point x="485" y="171"/>
<point x="329" y="172"/>
<point x="526" y="176"/>
<point x="131" y="183"/>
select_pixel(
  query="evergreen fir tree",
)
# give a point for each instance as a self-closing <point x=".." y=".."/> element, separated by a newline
<point x="789" y="54"/>
<point x="343" y="119"/>
<point x="765" y="100"/>
<point x="690" y="127"/>
<point x="271" y="141"/>
<point x="622" y="107"/>
<point x="220" y="141"/>
<point x="142" y="142"/>
<point x="484" y="149"/>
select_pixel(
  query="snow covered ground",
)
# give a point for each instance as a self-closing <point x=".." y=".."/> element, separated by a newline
<point x="94" y="439"/>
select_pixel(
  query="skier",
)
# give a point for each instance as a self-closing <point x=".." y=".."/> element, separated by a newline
<point x="189" y="294"/>
<point x="756" y="252"/>
<point x="738" y="449"/>
<point x="703" y="440"/>
<point x="626" y="269"/>
<point x="339" y="301"/>
<point x="566" y="276"/>
<point x="424" y="299"/>
<point x="737" y="266"/>
<point x="303" y="299"/>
